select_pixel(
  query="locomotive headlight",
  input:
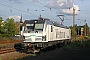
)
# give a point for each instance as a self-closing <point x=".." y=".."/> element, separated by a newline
<point x="43" y="38"/>
<point x="28" y="44"/>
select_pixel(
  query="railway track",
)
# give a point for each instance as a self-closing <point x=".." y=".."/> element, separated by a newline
<point x="7" y="50"/>
<point x="18" y="49"/>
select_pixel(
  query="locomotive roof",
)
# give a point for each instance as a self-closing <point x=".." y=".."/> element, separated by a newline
<point x="47" y="21"/>
<point x="33" y="21"/>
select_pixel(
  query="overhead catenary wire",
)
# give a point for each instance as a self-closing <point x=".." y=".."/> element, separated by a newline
<point x="47" y="7"/>
<point x="66" y="18"/>
<point x="39" y="6"/>
<point x="4" y="15"/>
<point x="42" y="5"/>
<point x="11" y="8"/>
<point x="17" y="9"/>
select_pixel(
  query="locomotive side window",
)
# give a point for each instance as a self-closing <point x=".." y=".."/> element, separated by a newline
<point x="20" y="28"/>
<point x="51" y="29"/>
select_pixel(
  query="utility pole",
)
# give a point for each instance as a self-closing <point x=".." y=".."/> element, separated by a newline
<point x="85" y="28"/>
<point x="73" y="17"/>
<point x="74" y="23"/>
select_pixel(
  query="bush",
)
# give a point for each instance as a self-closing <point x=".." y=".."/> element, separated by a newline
<point x="86" y="37"/>
<point x="83" y="44"/>
<point x="5" y="36"/>
<point x="86" y="44"/>
<point x="66" y="47"/>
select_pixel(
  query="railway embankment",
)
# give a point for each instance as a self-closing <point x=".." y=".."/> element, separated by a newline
<point x="7" y="50"/>
<point x="74" y="51"/>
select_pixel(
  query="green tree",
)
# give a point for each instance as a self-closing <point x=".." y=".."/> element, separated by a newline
<point x="73" y="33"/>
<point x="16" y="27"/>
<point x="10" y="26"/>
<point x="87" y="30"/>
<point x="1" y="27"/>
<point x="1" y="18"/>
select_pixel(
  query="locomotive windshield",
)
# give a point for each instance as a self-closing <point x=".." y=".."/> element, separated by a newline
<point x="34" y="26"/>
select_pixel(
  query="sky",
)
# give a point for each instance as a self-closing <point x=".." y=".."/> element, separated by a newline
<point x="32" y="9"/>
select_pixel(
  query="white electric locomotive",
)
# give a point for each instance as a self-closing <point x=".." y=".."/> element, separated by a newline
<point x="38" y="34"/>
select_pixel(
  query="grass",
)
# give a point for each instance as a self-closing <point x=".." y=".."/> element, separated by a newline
<point x="3" y="46"/>
<point x="77" y="44"/>
<point x="8" y="43"/>
<point x="26" y="57"/>
<point x="0" y="58"/>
